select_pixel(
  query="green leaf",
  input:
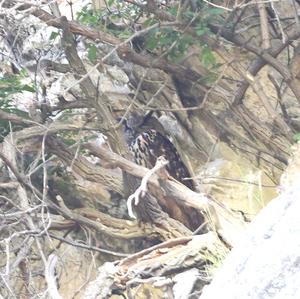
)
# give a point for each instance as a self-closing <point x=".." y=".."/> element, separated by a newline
<point x="125" y="34"/>
<point x="23" y="73"/>
<point x="296" y="137"/>
<point x="188" y="14"/>
<point x="207" y="57"/>
<point x="28" y="88"/>
<point x="184" y="42"/>
<point x="149" y="22"/>
<point x="92" y="52"/>
<point x="53" y="35"/>
<point x="201" y="30"/>
<point x="165" y="40"/>
<point x="11" y="85"/>
<point x="151" y="43"/>
<point x="173" y="10"/>
<point x="151" y="40"/>
<point x="88" y="17"/>
<point x="215" y="11"/>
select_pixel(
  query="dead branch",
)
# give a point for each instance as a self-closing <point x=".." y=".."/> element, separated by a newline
<point x="257" y="87"/>
<point x="30" y="208"/>
<point x="259" y="63"/>
<point x="50" y="277"/>
<point x="265" y="55"/>
<point x="101" y="287"/>
<point x="142" y="189"/>
<point x="99" y="221"/>
<point x="265" y="36"/>
<point x="124" y="52"/>
<point x="155" y="262"/>
<point x="229" y="226"/>
<point x="16" y="119"/>
<point x="81" y="166"/>
<point x="87" y="247"/>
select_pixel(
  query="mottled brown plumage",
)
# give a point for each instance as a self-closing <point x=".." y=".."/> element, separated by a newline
<point x="150" y="145"/>
<point x="147" y="144"/>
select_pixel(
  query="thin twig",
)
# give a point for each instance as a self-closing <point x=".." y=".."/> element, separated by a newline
<point x="138" y="33"/>
<point x="283" y="35"/>
<point x="76" y="244"/>
<point x="50" y="277"/>
<point x="265" y="35"/>
<point x="142" y="189"/>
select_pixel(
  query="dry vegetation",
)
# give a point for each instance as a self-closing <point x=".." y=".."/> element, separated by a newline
<point x="221" y="79"/>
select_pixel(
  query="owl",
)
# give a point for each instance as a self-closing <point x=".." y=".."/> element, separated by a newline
<point x="147" y="144"/>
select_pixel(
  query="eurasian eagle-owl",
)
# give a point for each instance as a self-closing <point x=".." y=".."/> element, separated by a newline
<point x="147" y="144"/>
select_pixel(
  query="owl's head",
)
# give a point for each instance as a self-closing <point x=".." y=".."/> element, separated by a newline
<point x="128" y="132"/>
<point x="138" y="122"/>
<point x="133" y="125"/>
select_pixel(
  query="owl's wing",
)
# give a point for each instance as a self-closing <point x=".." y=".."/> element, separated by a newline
<point x="150" y="145"/>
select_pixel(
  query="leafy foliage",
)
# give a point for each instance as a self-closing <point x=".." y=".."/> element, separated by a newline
<point x="89" y="17"/>
<point x="169" y="42"/>
<point x="53" y="35"/>
<point x="165" y="41"/>
<point x="207" y="57"/>
<point x="92" y="52"/>
<point x="9" y="86"/>
<point x="173" y="42"/>
<point x="105" y="19"/>
<point x="296" y="137"/>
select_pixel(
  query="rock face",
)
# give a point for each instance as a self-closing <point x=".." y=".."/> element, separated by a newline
<point x="292" y="174"/>
<point x="266" y="263"/>
<point x="237" y="184"/>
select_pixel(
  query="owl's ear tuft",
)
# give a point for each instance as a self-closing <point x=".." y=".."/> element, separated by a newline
<point x="128" y="132"/>
<point x="135" y="120"/>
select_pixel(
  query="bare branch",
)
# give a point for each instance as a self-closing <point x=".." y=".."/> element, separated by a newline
<point x="265" y="36"/>
<point x="142" y="189"/>
<point x="50" y="277"/>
